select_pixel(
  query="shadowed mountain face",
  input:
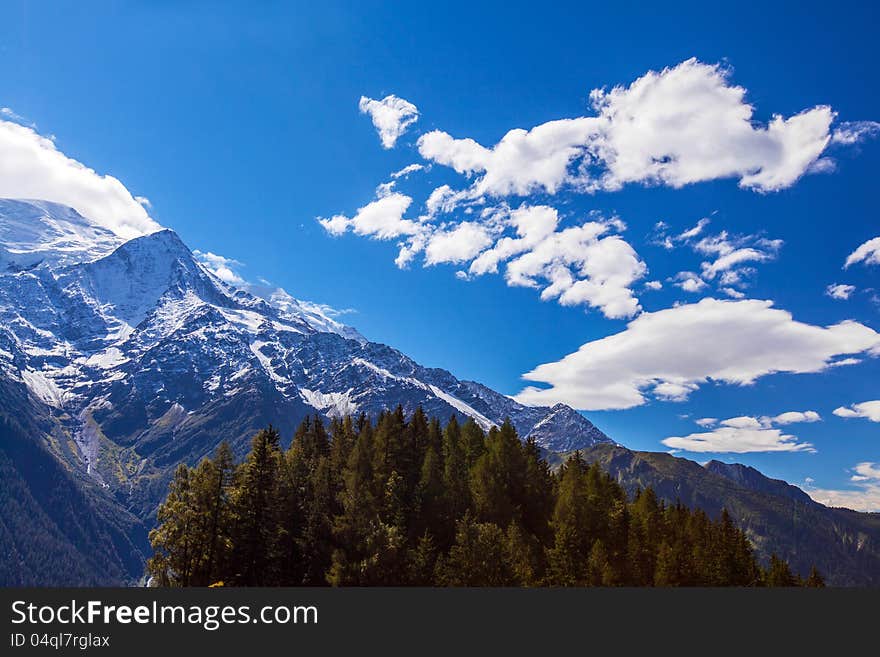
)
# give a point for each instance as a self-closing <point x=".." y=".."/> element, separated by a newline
<point x="138" y="359"/>
<point x="778" y="517"/>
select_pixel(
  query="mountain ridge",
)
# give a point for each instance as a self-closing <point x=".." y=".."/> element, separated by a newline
<point x="843" y="544"/>
<point x="146" y="358"/>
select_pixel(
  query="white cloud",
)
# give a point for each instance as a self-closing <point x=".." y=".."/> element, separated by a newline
<point x="381" y="219"/>
<point x="730" y="260"/>
<point x="733" y="342"/>
<point x="793" y="417"/>
<point x="523" y="161"/>
<point x="689" y="281"/>
<point x="678" y="126"/>
<point x="459" y="244"/>
<point x="31" y="166"/>
<point x="869" y="253"/>
<point x="682" y="125"/>
<point x="728" y="256"/>
<point x="864" y="496"/>
<point x="869" y="410"/>
<point x="732" y="251"/>
<point x="738" y="440"/>
<point x="444" y="200"/>
<point x="854" y="132"/>
<point x="581" y="265"/>
<point x="745" y="434"/>
<point x="391" y="117"/>
<point x="405" y="171"/>
<point x="694" y="231"/>
<point x="653" y="285"/>
<point x="222" y="267"/>
<point x="840" y="291"/>
<point x="688" y="124"/>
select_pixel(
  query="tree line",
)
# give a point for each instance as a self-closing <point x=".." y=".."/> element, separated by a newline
<point x="410" y="502"/>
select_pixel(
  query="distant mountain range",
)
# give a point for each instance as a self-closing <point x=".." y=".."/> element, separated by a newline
<point x="778" y="517"/>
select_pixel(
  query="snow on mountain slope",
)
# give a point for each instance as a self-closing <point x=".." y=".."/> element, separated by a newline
<point x="34" y="231"/>
<point x="148" y="359"/>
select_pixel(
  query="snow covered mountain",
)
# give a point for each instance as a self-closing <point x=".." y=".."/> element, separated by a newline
<point x="145" y="359"/>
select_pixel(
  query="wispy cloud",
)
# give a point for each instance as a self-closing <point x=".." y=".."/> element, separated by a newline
<point x="840" y="291"/>
<point x="864" y="495"/>
<point x="744" y="434"/>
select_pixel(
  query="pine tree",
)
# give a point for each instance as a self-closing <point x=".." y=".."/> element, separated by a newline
<point x="779" y="573"/>
<point x="211" y="485"/>
<point x="473" y="440"/>
<point x="599" y="571"/>
<point x="537" y="498"/>
<point x="430" y="500"/>
<point x="455" y="473"/>
<point x="524" y="556"/>
<point x="477" y="557"/>
<point x="498" y="478"/>
<point x="568" y="558"/>
<point x="256" y="513"/>
<point x="398" y="504"/>
<point x="815" y="580"/>
<point x="172" y="540"/>
<point x="421" y="561"/>
<point x="358" y="511"/>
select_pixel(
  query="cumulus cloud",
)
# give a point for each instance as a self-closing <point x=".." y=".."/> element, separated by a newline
<point x="869" y="410"/>
<point x="678" y="126"/>
<point x="459" y="244"/>
<point x="678" y="349"/>
<point x="688" y="124"/>
<point x="31" y="166"/>
<point x="682" y="125"/>
<point x="863" y="496"/>
<point x="869" y="253"/>
<point x="587" y="264"/>
<point x="391" y="117"/>
<point x="840" y="291"/>
<point x="381" y="219"/>
<point x="523" y="161"/>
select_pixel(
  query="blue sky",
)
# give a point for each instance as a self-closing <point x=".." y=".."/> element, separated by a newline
<point x="242" y="126"/>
